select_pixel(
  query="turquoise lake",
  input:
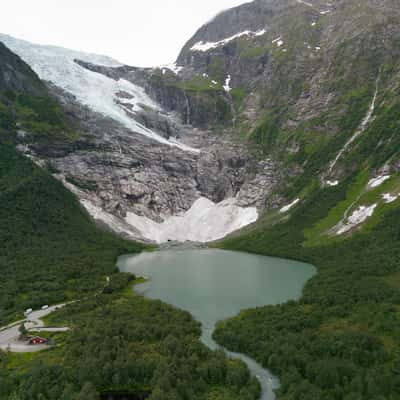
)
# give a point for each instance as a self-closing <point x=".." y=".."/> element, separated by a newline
<point x="215" y="284"/>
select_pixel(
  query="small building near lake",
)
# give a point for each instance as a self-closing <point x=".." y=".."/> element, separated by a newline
<point x="37" y="340"/>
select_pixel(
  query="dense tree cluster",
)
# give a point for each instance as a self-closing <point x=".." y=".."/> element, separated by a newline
<point x="125" y="343"/>
<point x="50" y="249"/>
<point x="342" y="340"/>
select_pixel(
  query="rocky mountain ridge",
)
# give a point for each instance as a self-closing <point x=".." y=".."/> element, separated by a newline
<point x="301" y="74"/>
<point x="264" y="102"/>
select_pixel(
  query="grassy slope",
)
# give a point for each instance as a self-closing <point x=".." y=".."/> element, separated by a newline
<point x="341" y="340"/>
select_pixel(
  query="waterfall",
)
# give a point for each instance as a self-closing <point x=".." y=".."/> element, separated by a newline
<point x="363" y="126"/>
<point x="187" y="122"/>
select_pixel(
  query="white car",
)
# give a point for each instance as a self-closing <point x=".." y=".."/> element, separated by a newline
<point x="45" y="307"/>
<point x="28" y="311"/>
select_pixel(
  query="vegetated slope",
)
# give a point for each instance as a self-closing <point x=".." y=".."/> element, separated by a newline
<point x="51" y="251"/>
<point x="340" y="131"/>
<point x="300" y="76"/>
<point x="28" y="113"/>
<point x="16" y="75"/>
<point x="341" y="340"/>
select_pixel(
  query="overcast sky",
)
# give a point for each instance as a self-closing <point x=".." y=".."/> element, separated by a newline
<point x="136" y="32"/>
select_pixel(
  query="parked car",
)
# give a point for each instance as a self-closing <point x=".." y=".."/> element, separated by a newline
<point x="45" y="307"/>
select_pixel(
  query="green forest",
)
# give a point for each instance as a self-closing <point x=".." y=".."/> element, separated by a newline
<point x="342" y="339"/>
<point x="51" y="251"/>
<point x="123" y="343"/>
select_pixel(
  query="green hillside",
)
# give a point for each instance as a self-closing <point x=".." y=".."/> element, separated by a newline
<point x="51" y="251"/>
<point x="341" y="340"/>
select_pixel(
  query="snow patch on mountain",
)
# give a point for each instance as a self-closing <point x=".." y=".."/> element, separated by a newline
<point x="332" y="183"/>
<point x="289" y="206"/>
<point x="114" y="223"/>
<point x="278" y="41"/>
<point x="375" y="182"/>
<point x="306" y="3"/>
<point x="205" y="221"/>
<point x="360" y="215"/>
<point x="389" y="198"/>
<point x="206" y="46"/>
<point x="175" y="68"/>
<point x="92" y="89"/>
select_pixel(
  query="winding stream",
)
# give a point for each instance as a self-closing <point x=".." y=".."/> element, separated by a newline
<point x="215" y="284"/>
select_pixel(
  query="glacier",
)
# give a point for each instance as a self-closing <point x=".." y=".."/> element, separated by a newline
<point x="94" y="90"/>
<point x="205" y="221"/>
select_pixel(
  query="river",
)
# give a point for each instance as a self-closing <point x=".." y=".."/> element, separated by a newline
<point x="216" y="284"/>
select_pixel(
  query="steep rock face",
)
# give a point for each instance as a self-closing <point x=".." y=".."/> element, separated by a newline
<point x="127" y="161"/>
<point x="123" y="174"/>
<point x="196" y="102"/>
<point x="299" y="76"/>
<point x="253" y="16"/>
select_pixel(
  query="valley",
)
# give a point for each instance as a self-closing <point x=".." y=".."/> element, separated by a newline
<point x="270" y="146"/>
<point x="215" y="285"/>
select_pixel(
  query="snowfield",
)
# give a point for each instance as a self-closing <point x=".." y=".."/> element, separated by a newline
<point x="175" y="68"/>
<point x="375" y="182"/>
<point x="358" y="217"/>
<point x="278" y="41"/>
<point x="205" y="221"/>
<point x="113" y="222"/>
<point x="332" y="183"/>
<point x="306" y="3"/>
<point x="389" y="198"/>
<point x="206" y="46"/>
<point x="94" y="90"/>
